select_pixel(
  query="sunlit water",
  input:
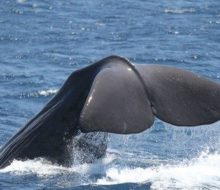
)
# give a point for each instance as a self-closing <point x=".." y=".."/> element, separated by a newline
<point x="42" y="42"/>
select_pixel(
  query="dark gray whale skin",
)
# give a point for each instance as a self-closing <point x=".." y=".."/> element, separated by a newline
<point x="113" y="95"/>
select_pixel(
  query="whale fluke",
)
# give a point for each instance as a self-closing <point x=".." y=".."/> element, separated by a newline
<point x="113" y="95"/>
<point x="116" y="103"/>
<point x="125" y="99"/>
<point x="180" y="97"/>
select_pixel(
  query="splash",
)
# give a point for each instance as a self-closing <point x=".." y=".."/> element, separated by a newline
<point x="201" y="172"/>
<point x="195" y="174"/>
<point x="44" y="168"/>
<point x="40" y="166"/>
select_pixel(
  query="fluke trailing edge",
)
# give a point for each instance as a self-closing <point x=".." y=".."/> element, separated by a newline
<point x="113" y="95"/>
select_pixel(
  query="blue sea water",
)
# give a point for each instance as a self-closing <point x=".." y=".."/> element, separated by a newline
<point x="42" y="42"/>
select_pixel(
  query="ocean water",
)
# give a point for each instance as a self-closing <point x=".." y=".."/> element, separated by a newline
<point x="42" y="42"/>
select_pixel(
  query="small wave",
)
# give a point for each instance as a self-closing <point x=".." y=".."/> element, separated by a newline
<point x="48" y="92"/>
<point x="179" y="11"/>
<point x="40" y="93"/>
<point x="9" y="76"/>
<point x="58" y="55"/>
<point x="21" y="1"/>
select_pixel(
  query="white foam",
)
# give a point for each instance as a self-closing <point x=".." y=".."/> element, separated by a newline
<point x="44" y="168"/>
<point x="48" y="92"/>
<point x="204" y="170"/>
<point x="41" y="167"/>
<point x="179" y="11"/>
<point x="197" y="173"/>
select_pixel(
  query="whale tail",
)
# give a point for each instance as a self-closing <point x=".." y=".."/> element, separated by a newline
<point x="114" y="96"/>
<point x="125" y="99"/>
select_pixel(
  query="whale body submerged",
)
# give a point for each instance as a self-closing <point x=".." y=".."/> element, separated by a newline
<point x="112" y="95"/>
